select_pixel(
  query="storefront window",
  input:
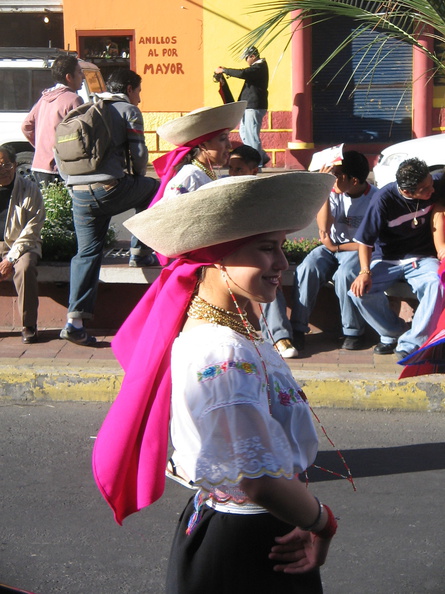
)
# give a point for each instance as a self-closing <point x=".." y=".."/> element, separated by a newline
<point x="109" y="50"/>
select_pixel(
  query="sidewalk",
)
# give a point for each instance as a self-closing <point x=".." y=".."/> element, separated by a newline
<point x="56" y="370"/>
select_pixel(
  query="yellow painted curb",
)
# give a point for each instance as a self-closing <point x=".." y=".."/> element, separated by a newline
<point x="63" y="383"/>
<point x="409" y="395"/>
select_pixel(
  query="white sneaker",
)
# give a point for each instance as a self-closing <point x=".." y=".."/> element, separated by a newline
<point x="286" y="349"/>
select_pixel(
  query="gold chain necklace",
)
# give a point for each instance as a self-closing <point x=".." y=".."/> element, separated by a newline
<point x="199" y="309"/>
<point x="206" y="170"/>
<point x="416" y="208"/>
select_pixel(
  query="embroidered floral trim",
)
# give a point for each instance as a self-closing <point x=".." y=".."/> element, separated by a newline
<point x="213" y="371"/>
<point x="180" y="189"/>
<point x="289" y="396"/>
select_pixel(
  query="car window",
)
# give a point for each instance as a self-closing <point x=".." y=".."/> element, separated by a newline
<point x="94" y="81"/>
<point x="20" y="88"/>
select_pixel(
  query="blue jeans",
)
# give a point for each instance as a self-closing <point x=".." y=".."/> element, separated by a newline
<point x="250" y="128"/>
<point x="320" y="266"/>
<point x="92" y="211"/>
<point x="374" y="306"/>
<point x="277" y="323"/>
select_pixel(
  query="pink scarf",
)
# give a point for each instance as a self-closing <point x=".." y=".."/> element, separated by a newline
<point x="130" y="453"/>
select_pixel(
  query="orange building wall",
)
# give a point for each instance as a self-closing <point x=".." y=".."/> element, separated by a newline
<point x="178" y="43"/>
<point x="168" y="41"/>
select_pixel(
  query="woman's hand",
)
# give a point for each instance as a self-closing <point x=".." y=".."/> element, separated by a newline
<point x="299" y="551"/>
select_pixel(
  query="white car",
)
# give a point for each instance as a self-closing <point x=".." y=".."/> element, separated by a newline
<point x="430" y="149"/>
<point x="24" y="73"/>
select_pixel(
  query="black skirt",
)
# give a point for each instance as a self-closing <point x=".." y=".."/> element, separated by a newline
<point x="228" y="554"/>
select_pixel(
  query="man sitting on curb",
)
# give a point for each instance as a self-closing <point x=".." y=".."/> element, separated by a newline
<point x="398" y="225"/>
<point x="22" y="214"/>
<point x="337" y="259"/>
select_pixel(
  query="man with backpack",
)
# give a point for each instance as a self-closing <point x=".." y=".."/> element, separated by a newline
<point x="40" y="124"/>
<point x="110" y="185"/>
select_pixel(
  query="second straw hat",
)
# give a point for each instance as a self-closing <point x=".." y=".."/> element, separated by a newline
<point x="199" y="122"/>
<point x="232" y="208"/>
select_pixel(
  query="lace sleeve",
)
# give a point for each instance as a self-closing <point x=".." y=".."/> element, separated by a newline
<point x="238" y="441"/>
<point x="238" y="436"/>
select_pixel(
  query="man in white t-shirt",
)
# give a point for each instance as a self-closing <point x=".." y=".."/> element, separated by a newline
<point x="337" y="259"/>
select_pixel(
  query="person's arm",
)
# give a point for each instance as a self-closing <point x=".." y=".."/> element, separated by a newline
<point x="235" y="72"/>
<point x="29" y="127"/>
<point x="28" y="215"/>
<point x="291" y="502"/>
<point x="325" y="220"/>
<point x="362" y="284"/>
<point x="438" y="230"/>
<point x="136" y="141"/>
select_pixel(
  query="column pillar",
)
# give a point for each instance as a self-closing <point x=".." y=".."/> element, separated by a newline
<point x="422" y="123"/>
<point x="300" y="148"/>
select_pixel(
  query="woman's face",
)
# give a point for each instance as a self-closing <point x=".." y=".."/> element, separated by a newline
<point x="254" y="271"/>
<point x="218" y="148"/>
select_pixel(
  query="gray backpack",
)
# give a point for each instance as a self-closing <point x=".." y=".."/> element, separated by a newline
<point x="83" y="138"/>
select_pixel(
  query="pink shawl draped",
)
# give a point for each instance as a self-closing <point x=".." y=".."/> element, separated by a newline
<point x="130" y="452"/>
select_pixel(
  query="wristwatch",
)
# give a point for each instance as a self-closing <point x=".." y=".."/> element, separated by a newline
<point x="11" y="260"/>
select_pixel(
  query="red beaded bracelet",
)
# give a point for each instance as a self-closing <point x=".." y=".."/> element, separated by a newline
<point x="330" y="527"/>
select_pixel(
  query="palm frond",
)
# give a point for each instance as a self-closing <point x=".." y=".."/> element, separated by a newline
<point x="404" y="20"/>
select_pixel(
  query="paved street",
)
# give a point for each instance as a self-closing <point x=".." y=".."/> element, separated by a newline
<point x="58" y="535"/>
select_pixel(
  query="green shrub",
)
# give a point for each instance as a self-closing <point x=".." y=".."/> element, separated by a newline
<point x="59" y="237"/>
<point x="296" y="249"/>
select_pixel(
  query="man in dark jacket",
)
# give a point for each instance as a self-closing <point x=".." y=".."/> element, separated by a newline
<point x="254" y="91"/>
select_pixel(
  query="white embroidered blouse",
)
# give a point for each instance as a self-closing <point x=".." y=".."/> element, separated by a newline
<point x="188" y="179"/>
<point x="221" y="426"/>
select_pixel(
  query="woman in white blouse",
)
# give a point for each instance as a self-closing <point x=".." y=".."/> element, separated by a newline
<point x="240" y="425"/>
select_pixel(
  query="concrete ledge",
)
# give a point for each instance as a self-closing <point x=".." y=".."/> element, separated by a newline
<point x="125" y="286"/>
<point x="123" y="274"/>
<point x="109" y="273"/>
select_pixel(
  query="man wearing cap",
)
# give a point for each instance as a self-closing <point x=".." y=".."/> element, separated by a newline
<point x="254" y="91"/>
<point x="337" y="259"/>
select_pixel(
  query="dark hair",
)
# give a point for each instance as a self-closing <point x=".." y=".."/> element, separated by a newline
<point x="355" y="164"/>
<point x="248" y="154"/>
<point x="119" y="80"/>
<point x="9" y="150"/>
<point x="62" y="66"/>
<point x="411" y="173"/>
<point x="250" y="51"/>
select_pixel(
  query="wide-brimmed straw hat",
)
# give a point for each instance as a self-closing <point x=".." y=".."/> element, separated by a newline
<point x="202" y="121"/>
<point x="232" y="208"/>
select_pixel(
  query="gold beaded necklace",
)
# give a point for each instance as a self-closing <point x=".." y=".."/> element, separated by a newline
<point x="206" y="170"/>
<point x="199" y="309"/>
